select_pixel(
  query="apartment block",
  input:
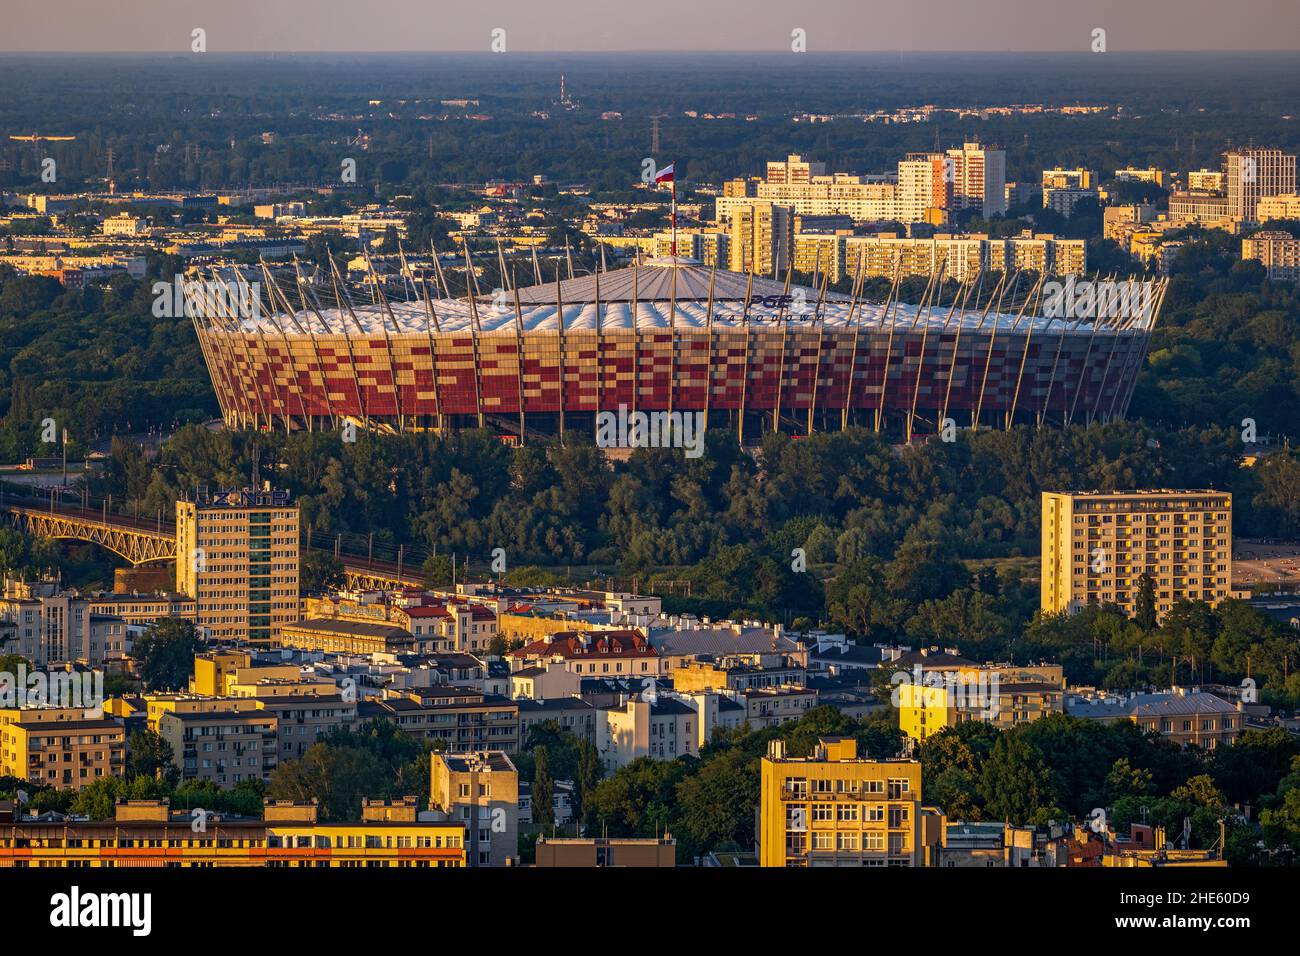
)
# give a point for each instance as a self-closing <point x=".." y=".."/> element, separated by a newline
<point x="1283" y="206"/>
<point x="54" y="626"/>
<point x="834" y="808"/>
<point x="1078" y="178"/>
<point x="1097" y="545"/>
<point x="237" y="556"/>
<point x="60" y="747"/>
<point x="466" y="720"/>
<point x="794" y="170"/>
<point x="819" y="254"/>
<point x="479" y="791"/>
<point x="761" y="236"/>
<point x="979" y="177"/>
<point x="224" y="746"/>
<point x="1205" y="180"/>
<point x="1278" y="252"/>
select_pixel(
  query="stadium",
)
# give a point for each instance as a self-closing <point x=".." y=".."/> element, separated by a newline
<point x="665" y="335"/>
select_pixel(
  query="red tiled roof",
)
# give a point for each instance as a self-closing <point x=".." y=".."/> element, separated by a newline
<point x="570" y="644"/>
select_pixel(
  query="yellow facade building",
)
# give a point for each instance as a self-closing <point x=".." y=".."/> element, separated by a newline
<point x="146" y="833"/>
<point x="61" y="747"/>
<point x="1097" y="546"/>
<point x="835" y="808"/>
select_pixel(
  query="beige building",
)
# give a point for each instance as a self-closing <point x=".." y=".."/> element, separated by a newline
<point x="60" y="747"/>
<point x="1068" y="178"/>
<point x="1278" y="252"/>
<point x="547" y="681"/>
<point x="979" y="177"/>
<point x="709" y="247"/>
<point x="225" y="746"/>
<point x="1187" y="716"/>
<point x="835" y="808"/>
<point x="464" y="719"/>
<point x="479" y="790"/>
<point x="794" y="170"/>
<point x="1285" y="206"/>
<point x="1097" y="545"/>
<point x="761" y="236"/>
<point x="237" y="556"/>
<point x="1205" y="181"/>
<point x="52" y="626"/>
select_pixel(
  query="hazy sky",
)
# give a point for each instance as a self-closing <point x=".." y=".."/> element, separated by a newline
<point x="589" y="25"/>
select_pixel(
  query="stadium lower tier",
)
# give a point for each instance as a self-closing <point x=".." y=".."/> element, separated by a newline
<point x="830" y="376"/>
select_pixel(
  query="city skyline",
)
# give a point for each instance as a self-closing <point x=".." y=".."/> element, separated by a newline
<point x="583" y="26"/>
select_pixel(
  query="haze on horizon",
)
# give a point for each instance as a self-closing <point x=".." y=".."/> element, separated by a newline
<point x="316" y="26"/>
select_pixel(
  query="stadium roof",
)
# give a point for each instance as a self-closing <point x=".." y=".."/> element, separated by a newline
<point x="652" y="281"/>
<point x="655" y="310"/>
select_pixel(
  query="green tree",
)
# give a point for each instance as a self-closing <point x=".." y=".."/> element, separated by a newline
<point x="543" y="790"/>
<point x="165" y="653"/>
<point x="149" y="755"/>
<point x="1015" y="783"/>
<point x="1145" y="606"/>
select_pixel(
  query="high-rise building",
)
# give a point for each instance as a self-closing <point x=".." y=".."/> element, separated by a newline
<point x="237" y="556"/>
<point x="1098" y="545"/>
<point x="761" y="236"/>
<point x="795" y="169"/>
<point x="1250" y="174"/>
<point x="820" y="254"/>
<point x="834" y="808"/>
<point x="925" y="188"/>
<point x="979" y="178"/>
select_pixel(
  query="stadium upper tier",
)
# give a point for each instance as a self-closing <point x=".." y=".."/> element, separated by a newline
<point x="650" y="297"/>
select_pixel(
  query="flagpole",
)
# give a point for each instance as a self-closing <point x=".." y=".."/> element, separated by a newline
<point x="672" y="184"/>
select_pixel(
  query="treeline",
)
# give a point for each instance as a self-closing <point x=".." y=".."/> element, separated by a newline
<point x="96" y="361"/>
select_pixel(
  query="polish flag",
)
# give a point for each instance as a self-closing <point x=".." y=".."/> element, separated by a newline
<point x="665" y="175"/>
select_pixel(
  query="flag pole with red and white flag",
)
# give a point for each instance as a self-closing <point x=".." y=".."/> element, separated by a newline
<point x="668" y="175"/>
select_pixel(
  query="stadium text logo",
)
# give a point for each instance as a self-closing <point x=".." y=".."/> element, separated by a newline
<point x="966" y="692"/>
<point x="651" y="430"/>
<point x="84" y="690"/>
<point x="1098" y="300"/>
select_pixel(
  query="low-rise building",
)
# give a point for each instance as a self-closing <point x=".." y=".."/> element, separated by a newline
<point x="60" y="747"/>
<point x="1185" y="715"/>
<point x="606" y="851"/>
<point x="466" y="720"/>
<point x="288" y="835"/>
